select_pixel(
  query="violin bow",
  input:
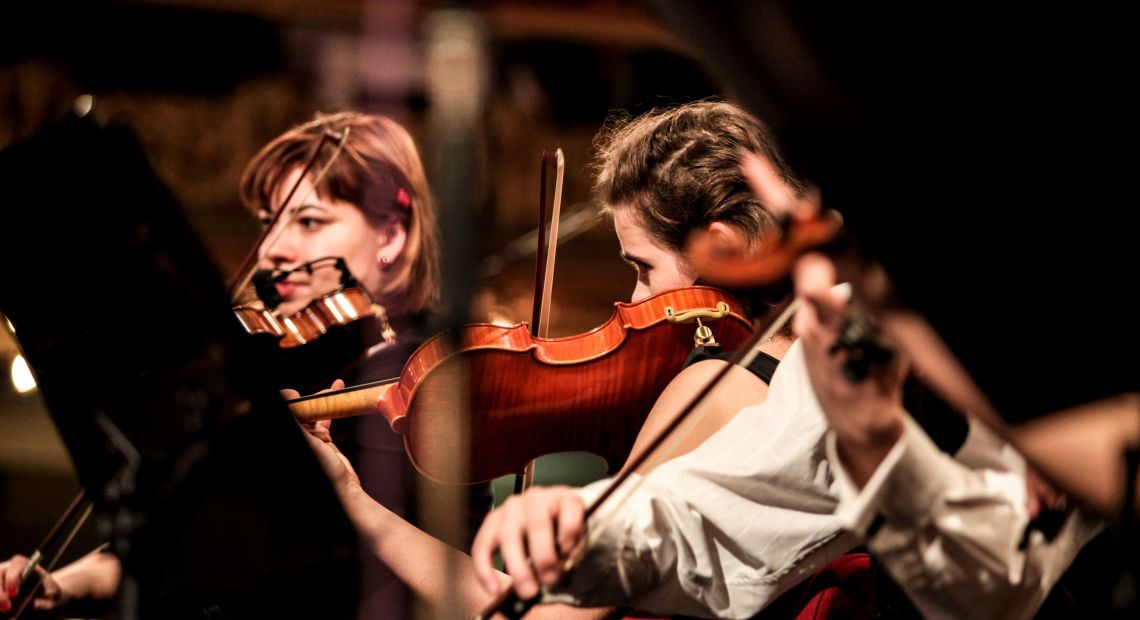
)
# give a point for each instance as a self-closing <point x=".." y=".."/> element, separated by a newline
<point x="271" y="232"/>
<point x="544" y="269"/>
<point x="547" y="246"/>
<point x="508" y="603"/>
<point x="50" y="550"/>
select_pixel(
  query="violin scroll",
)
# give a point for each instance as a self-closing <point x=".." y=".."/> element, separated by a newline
<point x="730" y="263"/>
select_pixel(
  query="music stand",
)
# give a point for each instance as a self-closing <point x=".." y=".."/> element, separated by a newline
<point x="199" y="475"/>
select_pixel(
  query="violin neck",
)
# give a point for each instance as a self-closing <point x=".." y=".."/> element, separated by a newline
<point x="354" y="401"/>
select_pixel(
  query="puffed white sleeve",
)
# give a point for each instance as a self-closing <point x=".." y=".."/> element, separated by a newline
<point x="954" y="532"/>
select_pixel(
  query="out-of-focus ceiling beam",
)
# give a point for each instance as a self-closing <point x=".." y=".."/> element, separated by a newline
<point x="606" y="23"/>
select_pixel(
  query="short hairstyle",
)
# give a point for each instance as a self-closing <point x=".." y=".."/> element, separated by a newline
<point x="380" y="172"/>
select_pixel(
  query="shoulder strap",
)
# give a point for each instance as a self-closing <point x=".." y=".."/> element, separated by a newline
<point x="764" y="366"/>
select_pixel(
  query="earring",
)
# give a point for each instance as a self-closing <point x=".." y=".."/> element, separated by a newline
<point x="385" y="263"/>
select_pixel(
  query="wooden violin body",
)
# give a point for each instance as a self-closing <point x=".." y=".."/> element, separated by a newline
<point x="340" y="307"/>
<point x="532" y="396"/>
<point x="587" y="392"/>
<point x="336" y="330"/>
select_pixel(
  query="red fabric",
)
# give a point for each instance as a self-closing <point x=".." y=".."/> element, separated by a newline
<point x="842" y="589"/>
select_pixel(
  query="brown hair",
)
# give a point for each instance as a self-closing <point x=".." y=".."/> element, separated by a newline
<point x="679" y="169"/>
<point x="380" y="172"/>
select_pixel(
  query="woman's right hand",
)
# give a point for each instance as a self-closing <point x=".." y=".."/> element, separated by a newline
<point x="535" y="532"/>
<point x="50" y="595"/>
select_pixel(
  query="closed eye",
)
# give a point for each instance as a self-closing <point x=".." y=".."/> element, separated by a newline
<point x="639" y="265"/>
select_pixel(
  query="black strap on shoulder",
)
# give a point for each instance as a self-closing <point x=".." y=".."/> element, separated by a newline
<point x="764" y="366"/>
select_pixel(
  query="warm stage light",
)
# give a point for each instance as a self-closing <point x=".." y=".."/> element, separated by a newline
<point x="22" y="375"/>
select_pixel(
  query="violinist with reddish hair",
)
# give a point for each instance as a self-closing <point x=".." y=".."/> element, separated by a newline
<point x="372" y="207"/>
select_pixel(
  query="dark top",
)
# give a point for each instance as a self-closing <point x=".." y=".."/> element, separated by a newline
<point x="386" y="473"/>
<point x="764" y="366"/>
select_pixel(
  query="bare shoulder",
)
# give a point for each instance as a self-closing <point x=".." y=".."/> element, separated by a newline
<point x="737" y="390"/>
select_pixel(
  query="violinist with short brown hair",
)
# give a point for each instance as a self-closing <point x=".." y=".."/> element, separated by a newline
<point x="829" y="459"/>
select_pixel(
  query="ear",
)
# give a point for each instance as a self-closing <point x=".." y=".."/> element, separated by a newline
<point x="391" y="237"/>
<point x="726" y="239"/>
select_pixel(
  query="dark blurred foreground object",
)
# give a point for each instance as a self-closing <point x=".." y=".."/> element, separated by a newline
<point x="986" y="155"/>
<point x="201" y="478"/>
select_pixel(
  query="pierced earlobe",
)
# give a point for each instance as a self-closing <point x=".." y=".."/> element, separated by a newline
<point x="385" y="263"/>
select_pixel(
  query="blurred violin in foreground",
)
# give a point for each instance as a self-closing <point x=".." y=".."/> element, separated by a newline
<point x="803" y="225"/>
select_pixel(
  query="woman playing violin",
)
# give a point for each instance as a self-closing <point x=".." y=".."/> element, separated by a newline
<point x="664" y="176"/>
<point x="372" y="207"/>
<point x="770" y="497"/>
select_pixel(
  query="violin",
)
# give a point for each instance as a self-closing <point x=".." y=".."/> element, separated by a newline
<point x="804" y="226"/>
<point x="531" y="396"/>
<point x="310" y="348"/>
<point x="345" y="304"/>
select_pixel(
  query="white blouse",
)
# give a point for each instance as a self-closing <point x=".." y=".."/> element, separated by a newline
<point x="725" y="529"/>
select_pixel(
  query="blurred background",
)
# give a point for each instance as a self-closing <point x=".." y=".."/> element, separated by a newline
<point x="205" y="83"/>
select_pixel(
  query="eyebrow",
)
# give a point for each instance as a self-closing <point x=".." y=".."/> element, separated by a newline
<point x="263" y="213"/>
<point x="297" y="209"/>
<point x="630" y="258"/>
<point x="309" y="205"/>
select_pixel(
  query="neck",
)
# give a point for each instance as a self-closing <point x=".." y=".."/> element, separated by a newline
<point x="778" y="346"/>
<point x="394" y="302"/>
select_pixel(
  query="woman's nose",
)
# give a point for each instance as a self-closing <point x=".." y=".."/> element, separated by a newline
<point x="279" y="250"/>
<point x="641" y="291"/>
